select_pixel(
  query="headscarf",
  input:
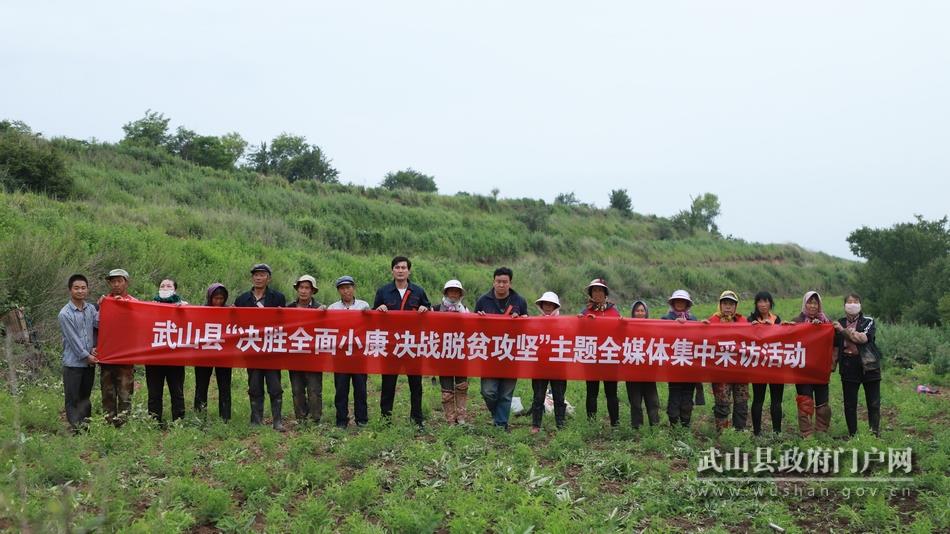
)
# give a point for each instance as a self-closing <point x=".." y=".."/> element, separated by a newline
<point x="449" y="306"/>
<point x="681" y="314"/>
<point x="645" y="308"/>
<point x="821" y="313"/>
<point x="593" y="306"/>
<point x="212" y="289"/>
<point x="721" y="315"/>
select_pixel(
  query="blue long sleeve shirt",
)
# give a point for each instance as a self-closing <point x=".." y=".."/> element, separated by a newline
<point x="79" y="333"/>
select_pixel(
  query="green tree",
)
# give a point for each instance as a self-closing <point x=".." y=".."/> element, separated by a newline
<point x="701" y="216"/>
<point x="178" y="143"/>
<point x="149" y="131"/>
<point x="620" y="201"/>
<point x="233" y="145"/>
<point x="293" y="158"/>
<point x="907" y="270"/>
<point x="943" y="307"/>
<point x="566" y="199"/>
<point x="409" y="179"/>
<point x="258" y="159"/>
<point x="19" y="127"/>
<point x="208" y="150"/>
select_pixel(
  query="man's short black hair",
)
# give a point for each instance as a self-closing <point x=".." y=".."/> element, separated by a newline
<point x="504" y="271"/>
<point x="399" y="259"/>
<point x="76" y="278"/>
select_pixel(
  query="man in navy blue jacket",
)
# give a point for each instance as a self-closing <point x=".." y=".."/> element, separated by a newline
<point x="262" y="296"/>
<point x="500" y="300"/>
<point x="401" y="295"/>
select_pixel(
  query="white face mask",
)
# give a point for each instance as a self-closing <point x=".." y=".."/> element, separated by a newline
<point x="852" y="308"/>
<point x="165" y="293"/>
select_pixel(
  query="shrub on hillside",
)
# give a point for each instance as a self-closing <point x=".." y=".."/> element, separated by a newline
<point x="409" y="179"/>
<point x="154" y="156"/>
<point x="535" y="218"/>
<point x="31" y="163"/>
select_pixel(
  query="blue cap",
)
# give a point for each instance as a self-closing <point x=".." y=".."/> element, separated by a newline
<point x="343" y="280"/>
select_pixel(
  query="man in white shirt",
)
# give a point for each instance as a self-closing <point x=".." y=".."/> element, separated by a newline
<point x="346" y="287"/>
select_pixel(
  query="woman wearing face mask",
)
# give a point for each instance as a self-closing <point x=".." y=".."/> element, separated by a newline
<point x="642" y="393"/>
<point x="762" y="314"/>
<point x="812" y="399"/>
<point x="599" y="306"/>
<point x="217" y="296"/>
<point x="168" y="293"/>
<point x="550" y="305"/>
<point x="854" y="332"/>
<point x="156" y="376"/>
<point x="736" y="395"/>
<point x="454" y="388"/>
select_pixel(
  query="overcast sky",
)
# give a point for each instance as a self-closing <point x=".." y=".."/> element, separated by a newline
<point x="807" y="119"/>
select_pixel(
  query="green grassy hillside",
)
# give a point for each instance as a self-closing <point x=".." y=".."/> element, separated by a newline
<point x="159" y="216"/>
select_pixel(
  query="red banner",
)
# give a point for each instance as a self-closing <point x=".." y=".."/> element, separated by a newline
<point x="452" y="344"/>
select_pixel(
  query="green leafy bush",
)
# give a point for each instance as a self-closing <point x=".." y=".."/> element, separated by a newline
<point x="30" y="163"/>
<point x="906" y="344"/>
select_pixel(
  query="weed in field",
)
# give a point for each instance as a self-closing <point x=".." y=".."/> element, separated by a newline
<point x="248" y="478"/>
<point x="400" y="514"/>
<point x="358" y="493"/>
<point x="159" y="519"/>
<point x="208" y="504"/>
<point x="317" y="473"/>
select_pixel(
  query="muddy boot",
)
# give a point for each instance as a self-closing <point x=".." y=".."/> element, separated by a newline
<point x="257" y="412"/>
<point x="461" y="403"/>
<point x="275" y="410"/>
<point x="721" y="411"/>
<point x="740" y="406"/>
<point x="806" y="408"/>
<point x="448" y="407"/>
<point x="822" y="418"/>
<point x="722" y="424"/>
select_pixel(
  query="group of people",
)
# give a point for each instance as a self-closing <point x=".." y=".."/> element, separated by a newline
<point x="79" y="320"/>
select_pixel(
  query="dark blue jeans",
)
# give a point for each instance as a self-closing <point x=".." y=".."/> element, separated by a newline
<point x="497" y="393"/>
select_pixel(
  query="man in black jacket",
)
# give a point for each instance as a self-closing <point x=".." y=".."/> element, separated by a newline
<point x="262" y="296"/>
<point x="401" y="295"/>
<point x="500" y="300"/>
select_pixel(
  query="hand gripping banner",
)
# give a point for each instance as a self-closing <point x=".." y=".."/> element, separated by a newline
<point x="453" y="344"/>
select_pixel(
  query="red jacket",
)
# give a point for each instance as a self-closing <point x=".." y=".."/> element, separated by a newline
<point x="610" y="311"/>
